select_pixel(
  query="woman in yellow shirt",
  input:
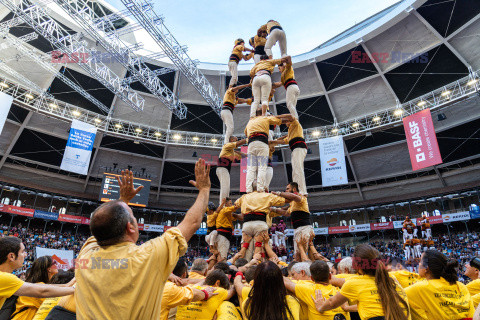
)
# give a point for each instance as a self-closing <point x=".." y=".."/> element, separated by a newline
<point x="441" y="297"/>
<point x="267" y="299"/>
<point x="375" y="293"/>
<point x="42" y="270"/>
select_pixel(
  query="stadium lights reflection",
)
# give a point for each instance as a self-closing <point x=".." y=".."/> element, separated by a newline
<point x="446" y="93"/>
<point x="315" y="133"/>
<point x="398" y="112"/>
<point x="29" y="96"/>
<point x="4" y="85"/>
<point x="177" y="137"/>
<point x="472" y="82"/>
<point x="195" y="138"/>
<point x="422" y="103"/>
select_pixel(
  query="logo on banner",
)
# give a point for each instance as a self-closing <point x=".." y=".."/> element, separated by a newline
<point x="456" y="217"/>
<point x="58" y="260"/>
<point x="422" y="140"/>
<point x="332" y="161"/>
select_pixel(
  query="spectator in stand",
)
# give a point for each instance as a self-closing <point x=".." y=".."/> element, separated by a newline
<point x="12" y="255"/>
<point x="144" y="269"/>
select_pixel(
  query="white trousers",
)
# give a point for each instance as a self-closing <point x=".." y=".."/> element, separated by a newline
<point x="418" y="251"/>
<point x="298" y="172"/>
<point x="253" y="228"/>
<point x="211" y="238"/>
<point x="407" y="253"/>
<point x="424" y="233"/>
<point x="409" y="236"/>
<point x="261" y="87"/>
<point x="280" y="238"/>
<point x="275" y="36"/>
<point x="233" y="68"/>
<point x="256" y="58"/>
<point x="257" y="161"/>
<point x="223" y="244"/>
<point x="429" y="233"/>
<point x="227" y="118"/>
<point x="415" y="232"/>
<point x="293" y="91"/>
<point x="405" y="235"/>
<point x="268" y="177"/>
<point x="224" y="178"/>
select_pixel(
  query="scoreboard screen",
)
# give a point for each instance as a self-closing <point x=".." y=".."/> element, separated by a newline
<point x="110" y="190"/>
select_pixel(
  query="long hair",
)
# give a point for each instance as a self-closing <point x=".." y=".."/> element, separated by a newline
<point x="440" y="266"/>
<point x="39" y="270"/>
<point x="368" y="260"/>
<point x="268" y="298"/>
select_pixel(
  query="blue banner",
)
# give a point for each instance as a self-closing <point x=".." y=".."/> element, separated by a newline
<point x="201" y="231"/>
<point x="45" y="215"/>
<point x="474" y="211"/>
<point x="78" y="151"/>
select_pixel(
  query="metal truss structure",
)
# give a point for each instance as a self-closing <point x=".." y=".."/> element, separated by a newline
<point x="19" y="45"/>
<point x="26" y="38"/>
<point x="154" y="25"/>
<point x="157" y="72"/>
<point x="84" y="15"/>
<point x="23" y="94"/>
<point x="457" y="91"/>
<point x="39" y="19"/>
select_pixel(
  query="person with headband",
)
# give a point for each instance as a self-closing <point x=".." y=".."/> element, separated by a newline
<point x="275" y="34"/>
<point x="235" y="57"/>
<point x="376" y="294"/>
<point x="441" y="296"/>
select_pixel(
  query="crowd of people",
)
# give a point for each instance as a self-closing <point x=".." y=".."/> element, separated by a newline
<point x="116" y="277"/>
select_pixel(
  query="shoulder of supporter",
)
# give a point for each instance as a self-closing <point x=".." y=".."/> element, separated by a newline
<point x="89" y="245"/>
<point x="167" y="241"/>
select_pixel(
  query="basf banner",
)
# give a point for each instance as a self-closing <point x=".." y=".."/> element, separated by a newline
<point x="153" y="228"/>
<point x="332" y="161"/>
<point x="79" y="147"/>
<point x="243" y="170"/>
<point x="64" y="258"/>
<point x="381" y="226"/>
<point x="5" y="104"/>
<point x="422" y="140"/>
<point x="359" y="227"/>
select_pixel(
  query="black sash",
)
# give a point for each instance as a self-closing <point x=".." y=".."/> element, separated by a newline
<point x="226" y="232"/>
<point x="225" y="163"/>
<point x="255" y="216"/>
<point x="260" y="50"/>
<point x="297" y="142"/>
<point x="228" y="106"/>
<point x="235" y="58"/>
<point x="289" y="82"/>
<point x="300" y="219"/>
<point x="211" y="229"/>
<point x="275" y="27"/>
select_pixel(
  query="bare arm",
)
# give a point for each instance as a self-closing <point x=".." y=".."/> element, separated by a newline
<point x="240" y="142"/>
<point x="194" y="216"/>
<point x="199" y="295"/>
<point x="276" y="85"/>
<point x="37" y="290"/>
<point x="279" y="211"/>
<point x="288" y="196"/>
<point x="238" y="284"/>
<point x="220" y="207"/>
<point x="238" y="88"/>
<point x="348" y="308"/>
<point x="285" y="117"/>
<point x="337" y="282"/>
<point x="323" y="305"/>
<point x="289" y="284"/>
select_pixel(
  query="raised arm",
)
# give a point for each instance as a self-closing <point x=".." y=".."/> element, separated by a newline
<point x="285" y="117"/>
<point x="127" y="190"/>
<point x="246" y="101"/>
<point x="194" y="216"/>
<point x="240" y="143"/>
<point x="238" y="88"/>
<point x="220" y="207"/>
<point x="276" y="85"/>
<point x="288" y="196"/>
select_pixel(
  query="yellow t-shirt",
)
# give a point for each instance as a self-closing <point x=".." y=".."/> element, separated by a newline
<point x="292" y="303"/>
<point x="27" y="302"/>
<point x="238" y="51"/>
<point x="362" y="291"/>
<point x="406" y="278"/>
<point x="258" y="202"/>
<point x="272" y="24"/>
<point x="287" y="74"/>
<point x="9" y="284"/>
<point x="268" y="65"/>
<point x="476" y="300"/>
<point x="345" y="276"/>
<point x="294" y="131"/>
<point x="438" y="299"/>
<point x="305" y="291"/>
<point x="225" y="218"/>
<point x="174" y="296"/>
<point x="228" y="311"/>
<point x="299" y="206"/>
<point x="230" y="97"/>
<point x="194" y="275"/>
<point x="212" y="219"/>
<point x="68" y="302"/>
<point x="261" y="124"/>
<point x="45" y="308"/>
<point x="474" y="287"/>
<point x="131" y="276"/>
<point x="202" y="310"/>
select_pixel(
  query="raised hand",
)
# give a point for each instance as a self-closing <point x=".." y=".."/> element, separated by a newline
<point x="202" y="176"/>
<point x="127" y="190"/>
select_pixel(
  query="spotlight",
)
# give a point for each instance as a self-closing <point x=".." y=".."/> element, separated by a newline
<point x="214" y="140"/>
<point x="76" y="113"/>
<point x="398" y="112"/>
<point x="157" y="134"/>
<point x="334" y="130"/>
<point x="52" y="105"/>
<point x="446" y="93"/>
<point x="97" y="120"/>
<point x="4" y="85"/>
<point x="118" y="125"/>
<point x="195" y="138"/>
<point x="421" y="103"/>
<point x="177" y="137"/>
<point x="472" y="82"/>
<point x="29" y="96"/>
<point x="315" y="133"/>
<point x="441" y="117"/>
<point x="355" y="125"/>
<point x="138" y="130"/>
<point x="376" y="118"/>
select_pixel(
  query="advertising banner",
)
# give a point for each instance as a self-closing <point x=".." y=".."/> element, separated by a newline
<point x="399" y="224"/>
<point x="243" y="170"/>
<point x="359" y="227"/>
<point x="45" y="215"/>
<point x="340" y="229"/>
<point x="381" y="226"/>
<point x="5" y="105"/>
<point x="422" y="140"/>
<point x="110" y="190"/>
<point x="474" y="211"/>
<point x="289" y="232"/>
<point x="64" y="258"/>
<point x="76" y="157"/>
<point x="153" y="228"/>
<point x="68" y="218"/>
<point x="452" y="217"/>
<point x="85" y="220"/>
<point x="320" y="231"/>
<point x="17" y="210"/>
<point x="431" y="220"/>
<point x="332" y="161"/>
<point x="201" y="231"/>
<point x="237" y="232"/>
